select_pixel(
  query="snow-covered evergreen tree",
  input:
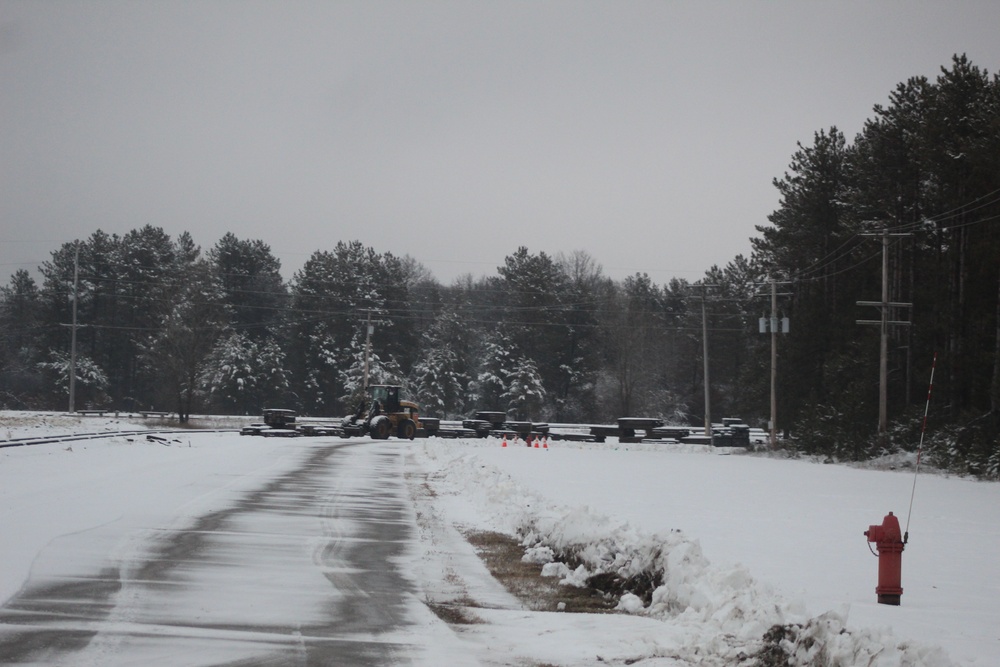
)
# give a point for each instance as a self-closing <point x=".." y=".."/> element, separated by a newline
<point x="495" y="372"/>
<point x="440" y="375"/>
<point x="91" y="380"/>
<point x="535" y="291"/>
<point x="333" y="293"/>
<point x="525" y="394"/>
<point x="439" y="389"/>
<point x="244" y="375"/>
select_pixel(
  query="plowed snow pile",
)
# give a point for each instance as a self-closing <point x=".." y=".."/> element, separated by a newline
<point x="722" y="612"/>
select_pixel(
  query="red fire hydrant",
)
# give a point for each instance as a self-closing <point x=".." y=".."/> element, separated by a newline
<point x="889" y="542"/>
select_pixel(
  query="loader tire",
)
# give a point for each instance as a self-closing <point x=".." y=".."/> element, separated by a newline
<point x="380" y="428"/>
<point x="407" y="429"/>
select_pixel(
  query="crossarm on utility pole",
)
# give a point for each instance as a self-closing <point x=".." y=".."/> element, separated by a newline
<point x="884" y="323"/>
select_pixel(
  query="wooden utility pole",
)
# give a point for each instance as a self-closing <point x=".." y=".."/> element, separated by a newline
<point x="884" y="323"/>
<point x="773" y="324"/>
<point x="72" y="344"/>
<point x="704" y="339"/>
<point x="368" y="347"/>
<point x="774" y="364"/>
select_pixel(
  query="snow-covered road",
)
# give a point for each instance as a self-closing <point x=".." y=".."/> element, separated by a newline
<point x="290" y="561"/>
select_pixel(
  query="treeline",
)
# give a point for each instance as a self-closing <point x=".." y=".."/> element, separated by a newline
<point x="925" y="169"/>
<point x="163" y="324"/>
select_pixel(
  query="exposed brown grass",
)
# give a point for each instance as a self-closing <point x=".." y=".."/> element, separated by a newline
<point x="502" y="556"/>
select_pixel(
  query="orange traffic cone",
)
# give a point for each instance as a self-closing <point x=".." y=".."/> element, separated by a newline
<point x="545" y="442"/>
<point x="536" y="443"/>
<point x="504" y="442"/>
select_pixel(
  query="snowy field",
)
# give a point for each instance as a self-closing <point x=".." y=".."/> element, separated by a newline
<point x="794" y="529"/>
<point x="746" y="543"/>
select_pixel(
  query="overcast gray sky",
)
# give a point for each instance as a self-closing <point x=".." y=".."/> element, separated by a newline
<point x="644" y="133"/>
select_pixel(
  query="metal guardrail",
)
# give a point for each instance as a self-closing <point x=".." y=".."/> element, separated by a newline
<point x="74" y="437"/>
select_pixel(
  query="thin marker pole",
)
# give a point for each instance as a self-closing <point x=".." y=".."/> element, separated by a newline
<point x="920" y="449"/>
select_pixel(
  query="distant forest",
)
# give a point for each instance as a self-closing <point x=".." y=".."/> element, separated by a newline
<point x="163" y="324"/>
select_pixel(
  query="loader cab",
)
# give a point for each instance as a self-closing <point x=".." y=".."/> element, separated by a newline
<point x="387" y="396"/>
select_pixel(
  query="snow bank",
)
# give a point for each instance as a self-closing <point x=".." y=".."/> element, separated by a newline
<point x="825" y="640"/>
<point x="661" y="575"/>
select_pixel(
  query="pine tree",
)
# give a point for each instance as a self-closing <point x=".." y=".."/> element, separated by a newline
<point x="495" y="372"/>
<point x="250" y="278"/>
<point x="441" y="374"/>
<point x="534" y="290"/>
<point x="586" y="287"/>
<point x="813" y="238"/>
<point x="177" y="351"/>
<point x="90" y="380"/>
<point x="964" y="118"/>
<point x="19" y="355"/>
<point x="629" y="330"/>
<point x="525" y="394"/>
<point x="244" y="374"/>
<point x="333" y="296"/>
